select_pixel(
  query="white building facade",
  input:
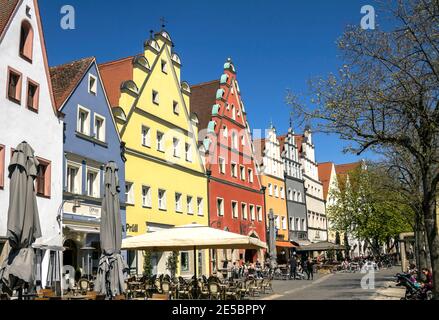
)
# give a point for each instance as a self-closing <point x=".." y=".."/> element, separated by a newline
<point x="315" y="202"/>
<point x="28" y="114"/>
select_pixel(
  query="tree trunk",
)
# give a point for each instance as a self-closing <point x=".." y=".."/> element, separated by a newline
<point x="431" y="228"/>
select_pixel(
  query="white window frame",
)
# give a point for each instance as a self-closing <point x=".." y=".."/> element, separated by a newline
<point x="129" y="196"/>
<point x="190" y="204"/>
<point x="282" y="193"/>
<point x="96" y="184"/>
<point x="244" y="213"/>
<point x="175" y="108"/>
<point x="164" y="66"/>
<point x="160" y="142"/>
<point x="225" y="132"/>
<point x="145" y="139"/>
<point x="221" y="165"/>
<point x="188" y="152"/>
<point x="220" y="210"/>
<point x="92" y="89"/>
<point x="276" y="191"/>
<point x="146" y="198"/>
<point x="176" y="147"/>
<point x="250" y="175"/>
<point x="242" y="172"/>
<point x="284" y="223"/>
<point x="200" y="206"/>
<point x="252" y="212"/>
<point x="259" y="211"/>
<point x="78" y="178"/>
<point x="161" y="200"/>
<point x="234" y="169"/>
<point x="101" y="117"/>
<point x="178" y="202"/>
<point x="155" y="97"/>
<point x="270" y="189"/>
<point x="235" y="213"/>
<point x="87" y="121"/>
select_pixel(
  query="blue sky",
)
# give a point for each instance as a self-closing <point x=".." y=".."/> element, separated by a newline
<point x="275" y="45"/>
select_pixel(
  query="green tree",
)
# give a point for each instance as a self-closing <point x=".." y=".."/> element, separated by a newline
<point x="172" y="263"/>
<point x="147" y="267"/>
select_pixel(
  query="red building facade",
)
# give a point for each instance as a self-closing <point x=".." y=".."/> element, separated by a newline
<point x="236" y="197"/>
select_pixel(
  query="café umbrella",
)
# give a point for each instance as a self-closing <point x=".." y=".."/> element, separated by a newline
<point x="110" y="278"/>
<point x="23" y="227"/>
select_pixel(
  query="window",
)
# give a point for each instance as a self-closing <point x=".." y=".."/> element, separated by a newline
<point x="234" y="209"/>
<point x="242" y="140"/>
<point x="270" y="189"/>
<point x="242" y="172"/>
<point x="290" y="194"/>
<point x="233" y="112"/>
<point x="93" y="185"/>
<point x="252" y="212"/>
<point x="129" y="192"/>
<point x="221" y="165"/>
<point x="225" y="133"/>
<point x="2" y="166"/>
<point x="259" y="209"/>
<point x="190" y="209"/>
<point x="146" y="137"/>
<point x="176" y="147"/>
<point x="303" y="225"/>
<point x="146" y="197"/>
<point x="33" y="92"/>
<point x="14" y="85"/>
<point x="92" y="84"/>
<point x="220" y="207"/>
<point x="99" y="127"/>
<point x="178" y="206"/>
<point x="284" y="223"/>
<point x="164" y="66"/>
<point x="234" y="169"/>
<point x="298" y="224"/>
<point x="234" y="140"/>
<point x="244" y="211"/>
<point x="200" y="208"/>
<point x="26" y="40"/>
<point x="83" y="121"/>
<point x="73" y="178"/>
<point x="188" y="152"/>
<point x="291" y="224"/>
<point x="155" y="97"/>
<point x="42" y="180"/>
<point x="299" y="196"/>
<point x="162" y="199"/>
<point x="160" y="141"/>
<point x="184" y="258"/>
<point x="175" y="108"/>
<point x="250" y="175"/>
<point x="282" y="192"/>
<point x="276" y="191"/>
<point x="277" y="222"/>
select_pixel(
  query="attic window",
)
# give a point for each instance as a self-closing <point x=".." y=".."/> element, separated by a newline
<point x="175" y="107"/>
<point x="92" y="84"/>
<point x="26" y="41"/>
<point x="155" y="97"/>
<point x="28" y="12"/>
<point x="164" y="67"/>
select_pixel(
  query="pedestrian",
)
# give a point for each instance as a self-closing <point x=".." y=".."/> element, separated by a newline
<point x="293" y="267"/>
<point x="309" y="269"/>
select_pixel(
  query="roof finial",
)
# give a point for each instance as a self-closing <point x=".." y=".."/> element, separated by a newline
<point x="151" y="34"/>
<point x="163" y="22"/>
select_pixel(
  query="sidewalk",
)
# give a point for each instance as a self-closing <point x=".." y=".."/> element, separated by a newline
<point x="389" y="292"/>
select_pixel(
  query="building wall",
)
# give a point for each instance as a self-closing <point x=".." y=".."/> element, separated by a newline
<point x="277" y="204"/>
<point x="42" y="130"/>
<point x="146" y="165"/>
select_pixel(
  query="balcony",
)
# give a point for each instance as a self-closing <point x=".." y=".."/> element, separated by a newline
<point x="298" y="235"/>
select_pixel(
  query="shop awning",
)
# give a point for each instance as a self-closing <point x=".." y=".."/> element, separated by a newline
<point x="85" y="229"/>
<point x="321" y="246"/>
<point x="284" y="244"/>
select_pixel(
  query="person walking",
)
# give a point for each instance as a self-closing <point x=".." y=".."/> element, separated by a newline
<point x="309" y="269"/>
<point x="293" y="267"/>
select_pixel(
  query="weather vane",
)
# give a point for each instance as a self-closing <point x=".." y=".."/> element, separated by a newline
<point x="163" y="22"/>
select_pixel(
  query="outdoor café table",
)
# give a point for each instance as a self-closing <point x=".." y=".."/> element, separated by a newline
<point x="78" y="297"/>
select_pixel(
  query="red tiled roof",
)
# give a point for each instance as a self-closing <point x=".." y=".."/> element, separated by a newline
<point x="346" y="167"/>
<point x="7" y="7"/>
<point x="298" y="139"/>
<point x="66" y="77"/>
<point x="203" y="97"/>
<point x="325" y="170"/>
<point x="281" y="140"/>
<point x="113" y="73"/>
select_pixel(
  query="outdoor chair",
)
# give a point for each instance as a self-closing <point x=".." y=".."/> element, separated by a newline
<point x="185" y="291"/>
<point x="4" y="296"/>
<point x="253" y="288"/>
<point x="166" y="287"/>
<point x="203" y="289"/>
<point x="214" y="290"/>
<point x="232" y="292"/>
<point x="158" y="285"/>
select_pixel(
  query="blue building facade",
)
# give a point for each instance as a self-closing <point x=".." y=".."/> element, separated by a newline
<point x="91" y="140"/>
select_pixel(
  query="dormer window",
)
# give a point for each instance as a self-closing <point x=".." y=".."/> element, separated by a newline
<point x="92" y="84"/>
<point x="155" y="97"/>
<point x="26" y="40"/>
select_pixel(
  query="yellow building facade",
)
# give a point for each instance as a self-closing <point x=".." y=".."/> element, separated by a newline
<point x="165" y="175"/>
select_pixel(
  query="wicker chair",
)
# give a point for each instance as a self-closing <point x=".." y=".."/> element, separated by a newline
<point x="83" y="285"/>
<point x="214" y="290"/>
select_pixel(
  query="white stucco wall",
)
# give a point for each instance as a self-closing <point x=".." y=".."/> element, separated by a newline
<point x="42" y="130"/>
